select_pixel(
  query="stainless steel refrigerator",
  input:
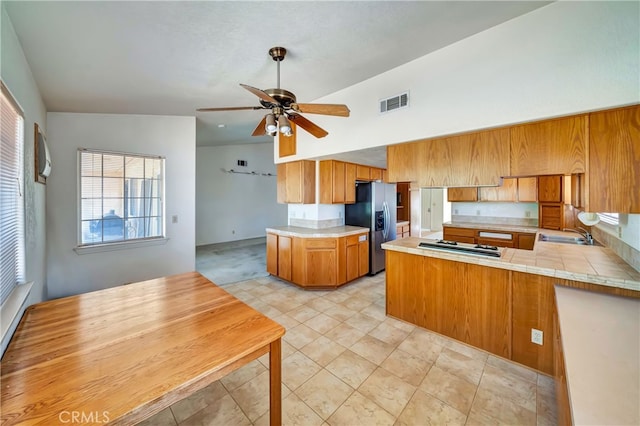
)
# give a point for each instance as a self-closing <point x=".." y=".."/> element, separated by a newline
<point x="375" y="208"/>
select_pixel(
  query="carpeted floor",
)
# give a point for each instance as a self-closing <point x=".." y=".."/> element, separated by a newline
<point x="227" y="263"/>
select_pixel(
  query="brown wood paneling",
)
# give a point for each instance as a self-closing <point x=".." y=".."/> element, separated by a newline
<point x="614" y="161"/>
<point x="403" y="161"/>
<point x="284" y="257"/>
<point x="507" y="191"/>
<point x="556" y="146"/>
<point x="404" y="289"/>
<point x="528" y="189"/>
<point x="287" y="144"/>
<point x="462" y="194"/>
<point x="533" y="301"/>
<point x="272" y="254"/>
<point x="550" y="189"/>
<point x="350" y="183"/>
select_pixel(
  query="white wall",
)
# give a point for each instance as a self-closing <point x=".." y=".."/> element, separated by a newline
<point x="511" y="210"/>
<point x="172" y="137"/>
<point x="16" y="74"/>
<point x="564" y="58"/>
<point x="630" y="229"/>
<point x="232" y="207"/>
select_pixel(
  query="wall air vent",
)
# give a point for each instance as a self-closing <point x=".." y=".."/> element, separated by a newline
<point x="394" y="102"/>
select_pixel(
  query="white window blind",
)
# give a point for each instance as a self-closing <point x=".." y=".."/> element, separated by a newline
<point x="121" y="197"/>
<point x="11" y="195"/>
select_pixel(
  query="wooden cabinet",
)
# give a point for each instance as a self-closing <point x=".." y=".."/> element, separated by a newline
<point x="337" y="182"/>
<point x="614" y="161"/>
<point x="296" y="182"/>
<point x="507" y="191"/>
<point x="533" y="300"/>
<point x="526" y="241"/>
<point x="472" y="159"/>
<point x="349" y="183"/>
<point x="556" y="146"/>
<point x="550" y="189"/>
<point x="528" y="189"/>
<point x="551" y="205"/>
<point x="551" y="216"/>
<point x="462" y="194"/>
<point x="375" y="174"/>
<point x="492" y="237"/>
<point x="461" y="235"/>
<point x="403" y="206"/>
<point x="403" y="230"/>
<point x="363" y="172"/>
<point x="318" y="263"/>
<point x="470" y="303"/>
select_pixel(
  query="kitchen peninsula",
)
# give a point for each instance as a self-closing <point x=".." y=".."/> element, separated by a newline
<point x="323" y="258"/>
<point x="493" y="303"/>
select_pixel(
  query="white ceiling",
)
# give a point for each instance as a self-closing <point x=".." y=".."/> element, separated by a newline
<point x="171" y="57"/>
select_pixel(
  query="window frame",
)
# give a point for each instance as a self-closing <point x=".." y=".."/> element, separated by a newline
<point x="91" y="247"/>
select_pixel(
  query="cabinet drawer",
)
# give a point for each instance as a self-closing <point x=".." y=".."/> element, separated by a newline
<point x="320" y="243"/>
<point x="460" y="232"/>
<point x="352" y="240"/>
<point x="496" y="242"/>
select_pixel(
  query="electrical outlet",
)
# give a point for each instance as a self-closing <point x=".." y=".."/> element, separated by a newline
<point x="233" y="231"/>
<point x="455" y="211"/>
<point x="536" y="336"/>
<point x="527" y="214"/>
<point x="477" y="212"/>
<point x="174" y="218"/>
<point x="619" y="231"/>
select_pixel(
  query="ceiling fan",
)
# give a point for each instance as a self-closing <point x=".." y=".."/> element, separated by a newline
<point x="284" y="107"/>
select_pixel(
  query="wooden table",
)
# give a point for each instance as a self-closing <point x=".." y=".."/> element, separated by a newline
<point x="120" y="355"/>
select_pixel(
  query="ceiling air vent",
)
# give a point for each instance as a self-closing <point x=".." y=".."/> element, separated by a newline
<point x="394" y="102"/>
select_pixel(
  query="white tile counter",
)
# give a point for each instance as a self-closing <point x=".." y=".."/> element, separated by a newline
<point x="333" y="232"/>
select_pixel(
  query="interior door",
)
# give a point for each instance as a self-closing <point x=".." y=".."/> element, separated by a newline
<point x="432" y="211"/>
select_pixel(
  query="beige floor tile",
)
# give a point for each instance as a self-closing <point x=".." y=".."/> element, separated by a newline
<point x="450" y="389"/>
<point x="360" y="410"/>
<point x="222" y="412"/>
<point x="424" y="409"/>
<point x="322" y="350"/>
<point x="286" y="350"/>
<point x="297" y="369"/>
<point x="344" y="334"/>
<point x="340" y="312"/>
<point x="509" y="386"/>
<point x="322" y="323"/>
<point x="512" y="368"/>
<point x="187" y="407"/>
<point x="265" y="308"/>
<point x="375" y="311"/>
<point x="321" y="304"/>
<point x="480" y="419"/>
<point x="338" y="296"/>
<point x="300" y="336"/>
<point x="503" y="409"/>
<point x="351" y="368"/>
<point x="460" y="365"/>
<point x="253" y="396"/>
<point x="422" y="345"/>
<point x="387" y="391"/>
<point x="324" y="393"/>
<point x="296" y="413"/>
<point x="303" y="313"/>
<point x="243" y="375"/>
<point x="284" y="305"/>
<point x="362" y="322"/>
<point x="389" y="334"/>
<point x="163" y="418"/>
<point x="546" y="383"/>
<point x="467" y="350"/>
<point x="400" y="324"/>
<point x="407" y="367"/>
<point x="286" y="321"/>
<point x="372" y="349"/>
<point x="260" y="290"/>
<point x="546" y="405"/>
<point x="356" y="303"/>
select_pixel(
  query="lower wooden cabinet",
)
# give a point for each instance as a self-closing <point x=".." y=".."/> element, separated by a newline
<point x="519" y="240"/>
<point x="318" y="263"/>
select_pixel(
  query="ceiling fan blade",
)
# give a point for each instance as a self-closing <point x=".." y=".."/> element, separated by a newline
<point x="260" y="129"/>
<point x="261" y="94"/>
<point x="325" y="109"/>
<point x="228" y="108"/>
<point x="307" y="125"/>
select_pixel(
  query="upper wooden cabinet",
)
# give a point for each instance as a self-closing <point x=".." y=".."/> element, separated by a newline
<point x="296" y="182"/>
<point x="614" y="161"/>
<point x="375" y="174"/>
<point x="472" y="159"/>
<point x="548" y="147"/>
<point x="550" y="189"/>
<point x="363" y="172"/>
<point x="528" y="189"/>
<point x="508" y="191"/>
<point x="337" y="182"/>
<point x="462" y="194"/>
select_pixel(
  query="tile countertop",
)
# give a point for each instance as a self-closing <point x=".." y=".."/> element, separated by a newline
<point x="601" y="345"/>
<point x="491" y="226"/>
<point x="590" y="264"/>
<point x="333" y="232"/>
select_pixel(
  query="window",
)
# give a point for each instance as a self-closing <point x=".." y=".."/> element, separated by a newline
<point x="610" y="218"/>
<point x="11" y="199"/>
<point x="121" y="197"/>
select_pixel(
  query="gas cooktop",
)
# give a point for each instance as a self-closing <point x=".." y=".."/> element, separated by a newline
<point x="454" y="246"/>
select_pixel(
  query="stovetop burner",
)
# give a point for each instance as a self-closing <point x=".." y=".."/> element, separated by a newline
<point x="448" y="242"/>
<point x="453" y="246"/>
<point x="486" y="247"/>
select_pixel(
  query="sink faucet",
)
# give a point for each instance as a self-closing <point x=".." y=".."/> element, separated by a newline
<point x="585" y="234"/>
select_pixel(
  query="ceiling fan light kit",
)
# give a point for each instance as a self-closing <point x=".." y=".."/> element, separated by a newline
<point x="284" y="107"/>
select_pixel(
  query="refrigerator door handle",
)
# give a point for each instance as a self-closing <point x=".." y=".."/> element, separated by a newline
<point x="385" y="230"/>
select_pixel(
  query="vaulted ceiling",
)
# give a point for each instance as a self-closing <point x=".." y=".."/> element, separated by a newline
<point x="172" y="57"/>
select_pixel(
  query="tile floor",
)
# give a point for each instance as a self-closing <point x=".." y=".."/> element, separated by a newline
<point x="345" y="363"/>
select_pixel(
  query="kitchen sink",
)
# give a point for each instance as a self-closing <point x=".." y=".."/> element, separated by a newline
<point x="566" y="240"/>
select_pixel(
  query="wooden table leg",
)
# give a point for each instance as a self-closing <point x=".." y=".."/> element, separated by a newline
<point x="275" y="384"/>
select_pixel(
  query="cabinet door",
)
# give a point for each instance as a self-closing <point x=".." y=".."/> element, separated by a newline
<point x="321" y="267"/>
<point x="508" y="191"/>
<point x="363" y="172"/>
<point x="281" y="183"/>
<point x="375" y="174"/>
<point x="614" y="161"/>
<point x="272" y="254"/>
<point x="526" y="241"/>
<point x="353" y="262"/>
<point x="461" y="235"/>
<point x="462" y="194"/>
<point x="550" y="189"/>
<point x="549" y="147"/>
<point x="284" y="257"/>
<point x="338" y="182"/>
<point x="363" y="256"/>
<point x="528" y="189"/>
<point x="296" y="182"/>
<point x="551" y="216"/>
<point x="350" y="183"/>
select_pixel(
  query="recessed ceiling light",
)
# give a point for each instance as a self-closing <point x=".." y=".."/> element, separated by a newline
<point x="221" y="125"/>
